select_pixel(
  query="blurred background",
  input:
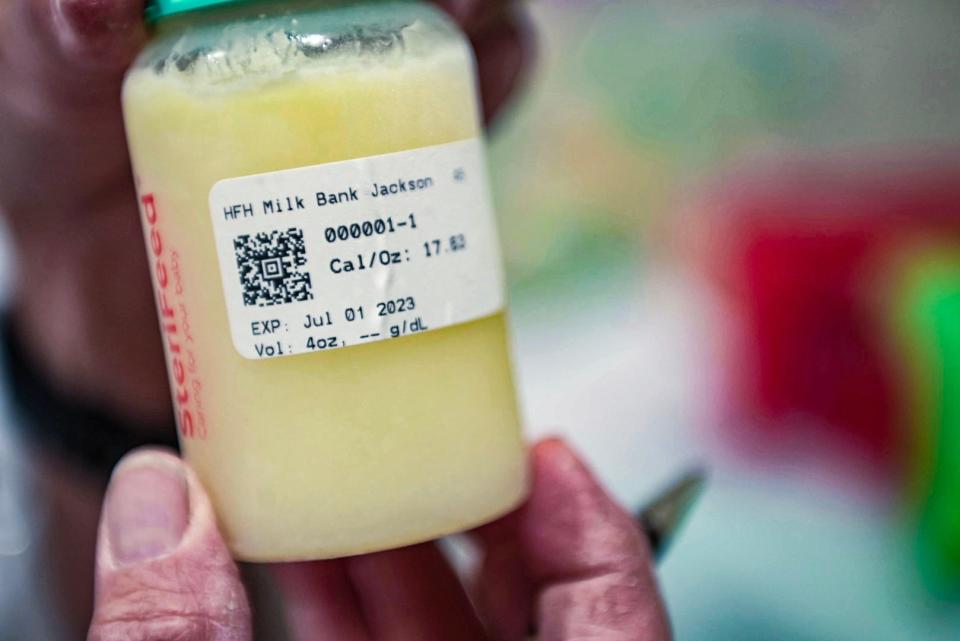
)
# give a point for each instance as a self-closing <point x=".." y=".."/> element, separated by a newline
<point x="733" y="238"/>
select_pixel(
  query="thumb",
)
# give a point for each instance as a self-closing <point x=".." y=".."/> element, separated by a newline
<point x="586" y="555"/>
<point x="163" y="570"/>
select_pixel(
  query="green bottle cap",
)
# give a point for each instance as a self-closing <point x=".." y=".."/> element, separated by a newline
<point x="157" y="9"/>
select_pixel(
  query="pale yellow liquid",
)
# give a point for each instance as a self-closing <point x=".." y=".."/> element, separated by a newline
<point x="356" y="449"/>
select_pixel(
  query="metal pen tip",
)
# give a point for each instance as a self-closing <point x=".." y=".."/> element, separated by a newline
<point x="661" y="518"/>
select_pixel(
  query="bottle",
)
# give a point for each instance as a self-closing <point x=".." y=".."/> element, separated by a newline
<point x="328" y="277"/>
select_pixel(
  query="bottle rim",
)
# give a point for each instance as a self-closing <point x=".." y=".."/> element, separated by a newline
<point x="157" y="9"/>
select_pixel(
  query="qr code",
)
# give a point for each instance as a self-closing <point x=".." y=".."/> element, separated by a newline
<point x="270" y="267"/>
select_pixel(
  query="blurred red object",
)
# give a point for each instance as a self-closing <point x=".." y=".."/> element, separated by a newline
<point x="796" y="249"/>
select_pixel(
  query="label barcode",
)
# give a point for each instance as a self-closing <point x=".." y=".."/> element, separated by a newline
<point x="271" y="267"/>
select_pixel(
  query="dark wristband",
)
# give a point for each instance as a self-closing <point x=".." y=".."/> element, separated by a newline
<point x="83" y="435"/>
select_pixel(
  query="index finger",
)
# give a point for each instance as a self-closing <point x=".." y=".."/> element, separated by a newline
<point x="79" y="34"/>
<point x="62" y="57"/>
<point x="578" y="561"/>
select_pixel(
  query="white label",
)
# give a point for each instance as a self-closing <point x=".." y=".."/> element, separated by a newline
<point x="344" y="253"/>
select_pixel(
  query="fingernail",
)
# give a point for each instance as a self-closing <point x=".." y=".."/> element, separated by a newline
<point x="77" y="22"/>
<point x="460" y="10"/>
<point x="101" y="32"/>
<point x="561" y="457"/>
<point x="147" y="508"/>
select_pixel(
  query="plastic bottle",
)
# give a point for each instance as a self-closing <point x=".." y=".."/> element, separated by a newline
<point x="317" y="217"/>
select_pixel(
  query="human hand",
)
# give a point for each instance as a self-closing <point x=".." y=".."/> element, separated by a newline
<point x="570" y="563"/>
<point x="83" y="305"/>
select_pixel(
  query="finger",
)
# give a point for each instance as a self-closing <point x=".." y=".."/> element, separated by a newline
<point x="503" y="54"/>
<point x="412" y="594"/>
<point x="87" y="34"/>
<point x="590" y="564"/>
<point x="65" y="57"/>
<point x="504" y="591"/>
<point x="163" y="571"/>
<point x="473" y="15"/>
<point x="320" y="602"/>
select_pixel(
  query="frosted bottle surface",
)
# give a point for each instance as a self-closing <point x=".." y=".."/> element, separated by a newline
<point x="326" y="450"/>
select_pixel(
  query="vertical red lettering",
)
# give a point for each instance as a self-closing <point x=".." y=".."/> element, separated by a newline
<point x="161" y="273"/>
<point x="179" y="374"/>
<point x="186" y="423"/>
<point x="155" y="243"/>
<point x="149" y="207"/>
<point x="165" y="308"/>
<point x="168" y="318"/>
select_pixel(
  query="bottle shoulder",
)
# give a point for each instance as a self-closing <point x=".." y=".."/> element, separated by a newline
<point x="265" y="43"/>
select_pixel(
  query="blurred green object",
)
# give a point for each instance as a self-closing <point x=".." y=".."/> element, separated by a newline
<point x="927" y="314"/>
<point x="709" y="86"/>
<point x="632" y="106"/>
